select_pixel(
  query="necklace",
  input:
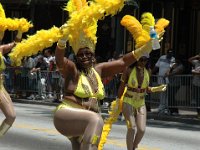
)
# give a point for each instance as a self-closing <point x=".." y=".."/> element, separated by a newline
<point x="92" y="80"/>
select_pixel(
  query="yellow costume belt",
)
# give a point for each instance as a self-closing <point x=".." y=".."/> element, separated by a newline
<point x="134" y="99"/>
<point x="68" y="103"/>
<point x="137" y="90"/>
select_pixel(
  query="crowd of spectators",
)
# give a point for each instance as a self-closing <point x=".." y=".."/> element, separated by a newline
<point x="36" y="78"/>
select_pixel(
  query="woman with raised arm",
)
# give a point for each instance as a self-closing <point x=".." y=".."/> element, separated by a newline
<point x="134" y="83"/>
<point x="78" y="116"/>
<point x="6" y="104"/>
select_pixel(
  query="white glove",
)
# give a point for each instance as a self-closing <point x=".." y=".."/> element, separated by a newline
<point x="62" y="41"/>
<point x="160" y="88"/>
<point x="1" y="35"/>
<point x="19" y="34"/>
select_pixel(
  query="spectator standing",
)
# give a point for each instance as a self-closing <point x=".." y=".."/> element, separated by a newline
<point x="174" y="84"/>
<point x="49" y="58"/>
<point x="195" y="61"/>
<point x="41" y="65"/>
<point x="162" y="66"/>
<point x="28" y="65"/>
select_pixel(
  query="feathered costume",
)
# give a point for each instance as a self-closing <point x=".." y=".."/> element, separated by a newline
<point x="140" y="33"/>
<point x="12" y="24"/>
<point x="80" y="28"/>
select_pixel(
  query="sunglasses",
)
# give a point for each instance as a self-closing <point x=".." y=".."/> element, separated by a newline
<point x="84" y="54"/>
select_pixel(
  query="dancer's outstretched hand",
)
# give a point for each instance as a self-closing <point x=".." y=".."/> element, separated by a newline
<point x="160" y="88"/>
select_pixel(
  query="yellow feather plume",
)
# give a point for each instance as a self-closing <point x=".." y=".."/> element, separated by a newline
<point x="33" y="44"/>
<point x="161" y="24"/>
<point x="15" y="24"/>
<point x="135" y="28"/>
<point x="75" y="5"/>
<point x="113" y="116"/>
<point x="147" y="20"/>
<point x="2" y="13"/>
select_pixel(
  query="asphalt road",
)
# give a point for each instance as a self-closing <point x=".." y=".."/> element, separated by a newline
<point x="34" y="130"/>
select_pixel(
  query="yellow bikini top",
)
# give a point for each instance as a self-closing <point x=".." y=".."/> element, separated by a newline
<point x="2" y="65"/>
<point x="84" y="89"/>
<point x="133" y="82"/>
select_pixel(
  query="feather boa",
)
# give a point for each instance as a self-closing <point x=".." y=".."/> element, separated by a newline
<point x="75" y="5"/>
<point x="15" y="24"/>
<point x="33" y="44"/>
<point x="113" y="116"/>
<point x="2" y="13"/>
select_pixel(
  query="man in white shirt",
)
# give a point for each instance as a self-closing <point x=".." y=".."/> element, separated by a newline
<point x="195" y="62"/>
<point x="162" y="66"/>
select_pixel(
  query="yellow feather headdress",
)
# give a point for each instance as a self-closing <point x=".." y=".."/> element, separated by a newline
<point x="140" y="31"/>
<point x="147" y="20"/>
<point x="161" y="24"/>
<point x="140" y="35"/>
<point x="81" y="28"/>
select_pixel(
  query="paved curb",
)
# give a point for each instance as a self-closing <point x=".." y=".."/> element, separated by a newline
<point x="188" y="119"/>
<point x="182" y="119"/>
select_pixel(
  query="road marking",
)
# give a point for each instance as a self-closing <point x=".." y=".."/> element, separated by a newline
<point x="28" y="126"/>
<point x="118" y="143"/>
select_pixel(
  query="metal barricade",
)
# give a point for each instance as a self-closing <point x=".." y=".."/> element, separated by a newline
<point x="21" y="83"/>
<point x="182" y="90"/>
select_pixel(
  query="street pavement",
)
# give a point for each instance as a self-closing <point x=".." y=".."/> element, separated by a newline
<point x="188" y="116"/>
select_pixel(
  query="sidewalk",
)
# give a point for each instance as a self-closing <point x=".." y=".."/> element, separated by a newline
<point x="185" y="115"/>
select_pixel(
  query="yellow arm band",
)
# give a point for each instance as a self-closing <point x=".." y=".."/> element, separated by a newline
<point x="61" y="44"/>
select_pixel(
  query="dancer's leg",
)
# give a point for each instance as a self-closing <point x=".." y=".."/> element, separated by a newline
<point x="141" y="125"/>
<point x="7" y="108"/>
<point x="78" y="122"/>
<point x="128" y="113"/>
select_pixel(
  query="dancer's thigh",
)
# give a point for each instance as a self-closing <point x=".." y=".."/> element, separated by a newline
<point x="141" y="118"/>
<point x="128" y="113"/>
<point x="6" y="104"/>
<point x="72" y="121"/>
